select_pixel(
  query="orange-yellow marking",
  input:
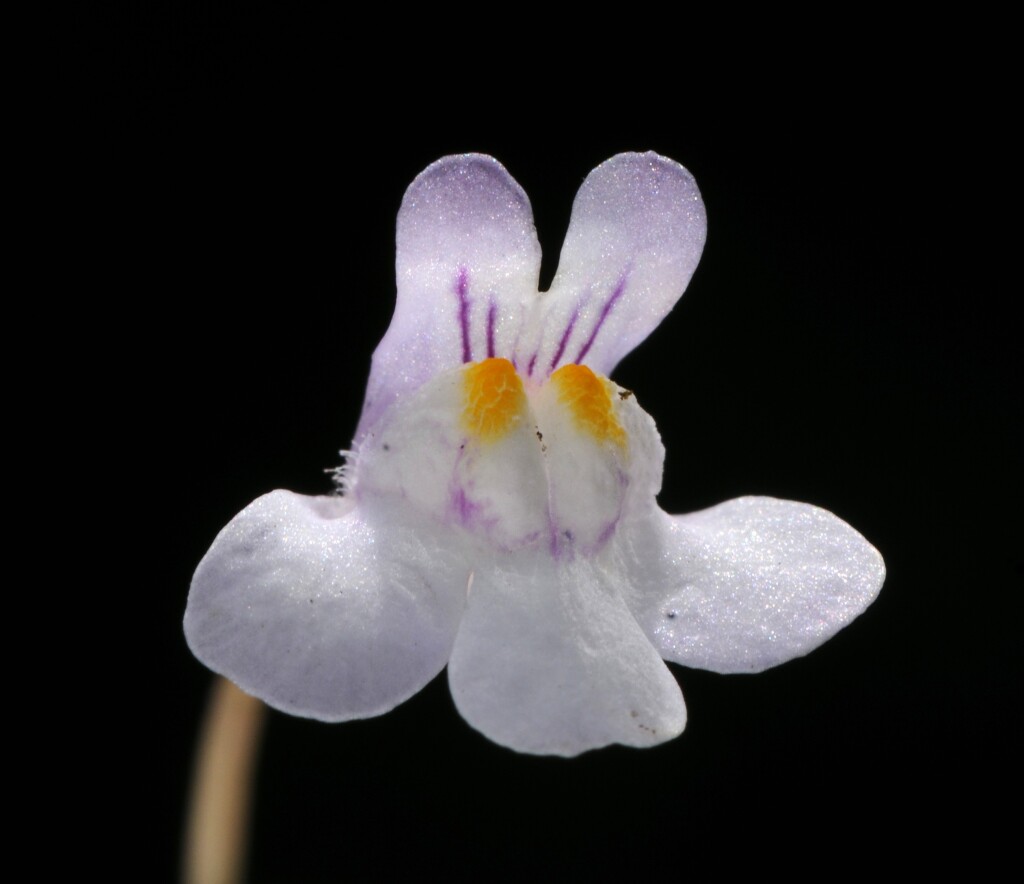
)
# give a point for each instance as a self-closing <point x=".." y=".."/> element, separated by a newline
<point x="494" y="399"/>
<point x="586" y="396"/>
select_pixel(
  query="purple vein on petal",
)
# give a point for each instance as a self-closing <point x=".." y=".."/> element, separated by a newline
<point x="616" y="294"/>
<point x="465" y="509"/>
<point x="461" y="287"/>
<point x="533" y="362"/>
<point x="492" y="315"/>
<point x="565" y="339"/>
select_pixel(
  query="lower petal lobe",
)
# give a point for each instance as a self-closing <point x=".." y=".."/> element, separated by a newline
<point x="747" y="584"/>
<point x="323" y="609"/>
<point x="549" y="660"/>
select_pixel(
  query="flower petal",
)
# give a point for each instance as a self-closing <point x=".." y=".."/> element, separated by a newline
<point x="468" y="266"/>
<point x="549" y="660"/>
<point x="634" y="240"/>
<point x="748" y="584"/>
<point x="431" y="454"/>
<point x="586" y="456"/>
<point x="315" y="607"/>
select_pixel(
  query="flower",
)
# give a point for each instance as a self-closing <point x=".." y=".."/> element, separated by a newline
<point x="498" y="509"/>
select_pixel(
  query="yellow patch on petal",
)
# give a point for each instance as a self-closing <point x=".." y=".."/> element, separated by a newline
<point x="494" y="399"/>
<point x="587" y="397"/>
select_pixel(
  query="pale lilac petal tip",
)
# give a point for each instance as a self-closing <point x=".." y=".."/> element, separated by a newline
<point x="467" y="267"/>
<point x="636" y="234"/>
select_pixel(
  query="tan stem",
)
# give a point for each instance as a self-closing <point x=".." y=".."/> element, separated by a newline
<point x="216" y="833"/>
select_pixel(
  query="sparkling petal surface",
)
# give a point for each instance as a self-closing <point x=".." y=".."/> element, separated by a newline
<point x="424" y="458"/>
<point x="587" y="469"/>
<point x="747" y="584"/>
<point x="549" y="660"/>
<point x="635" y="237"/>
<point x="300" y="604"/>
<point x="468" y="265"/>
<point x="500" y="509"/>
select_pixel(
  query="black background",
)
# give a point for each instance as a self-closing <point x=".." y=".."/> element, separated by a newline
<point x="839" y="344"/>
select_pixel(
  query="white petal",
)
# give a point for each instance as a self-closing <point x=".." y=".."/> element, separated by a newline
<point x="422" y="456"/>
<point x="748" y="584"/>
<point x="646" y="451"/>
<point x="468" y="265"/>
<point x="549" y="660"/>
<point x="587" y="466"/>
<point x="324" y="610"/>
<point x="603" y="457"/>
<point x="634" y="240"/>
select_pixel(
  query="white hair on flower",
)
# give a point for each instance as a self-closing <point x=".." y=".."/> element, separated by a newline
<point x="493" y="447"/>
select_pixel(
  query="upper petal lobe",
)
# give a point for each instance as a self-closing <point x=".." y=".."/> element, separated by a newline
<point x="636" y="234"/>
<point x="468" y="263"/>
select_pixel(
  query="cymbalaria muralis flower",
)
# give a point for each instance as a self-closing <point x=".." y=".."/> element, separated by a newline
<point x="498" y="509"/>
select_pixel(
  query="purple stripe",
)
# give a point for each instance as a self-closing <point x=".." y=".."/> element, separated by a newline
<point x="529" y="368"/>
<point x="565" y="339"/>
<point x="461" y="285"/>
<point x="492" y="315"/>
<point x="619" y="289"/>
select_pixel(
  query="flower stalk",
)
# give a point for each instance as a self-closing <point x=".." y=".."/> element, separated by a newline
<point x="220" y="805"/>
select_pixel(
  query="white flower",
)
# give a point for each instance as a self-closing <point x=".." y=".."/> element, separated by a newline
<point x="499" y="511"/>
